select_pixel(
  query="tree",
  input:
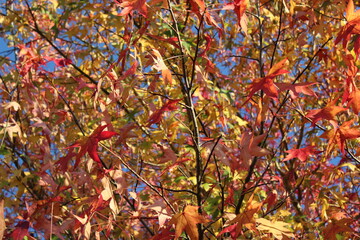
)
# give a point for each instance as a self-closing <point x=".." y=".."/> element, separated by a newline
<point x="134" y="119"/>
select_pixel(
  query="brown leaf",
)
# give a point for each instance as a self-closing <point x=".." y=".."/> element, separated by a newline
<point x="337" y="226"/>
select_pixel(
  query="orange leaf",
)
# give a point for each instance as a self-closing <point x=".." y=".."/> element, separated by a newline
<point x="328" y="112"/>
<point x="340" y="134"/>
<point x="246" y="218"/>
<point x="187" y="221"/>
<point x="278" y="68"/>
<point x="266" y="83"/>
<point x="355" y="100"/>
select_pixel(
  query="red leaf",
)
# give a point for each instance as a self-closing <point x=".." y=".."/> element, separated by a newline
<point x="133" y="5"/>
<point x="106" y="135"/>
<point x="164" y="234"/>
<point x="266" y="83"/>
<point x="64" y="161"/>
<point x="352" y="26"/>
<point x="301" y="153"/>
<point x="21" y="230"/>
<point x="239" y="7"/>
<point x="90" y="144"/>
<point x="328" y="112"/>
<point x="157" y="115"/>
<point x="296" y="89"/>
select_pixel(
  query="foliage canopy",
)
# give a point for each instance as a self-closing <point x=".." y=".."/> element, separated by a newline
<point x="170" y="119"/>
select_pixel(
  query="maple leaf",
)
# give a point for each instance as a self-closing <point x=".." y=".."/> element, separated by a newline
<point x="60" y="62"/>
<point x="164" y="234"/>
<point x="296" y="89"/>
<point x="187" y="220"/>
<point x="160" y="66"/>
<point x="249" y="148"/>
<point x="157" y="115"/>
<point x="328" y="112"/>
<point x="64" y="161"/>
<point x="301" y="153"/>
<point x="160" y="208"/>
<point x="244" y="219"/>
<point x="266" y="83"/>
<point x="354" y="100"/>
<point x="339" y="134"/>
<point x="277" y="228"/>
<point x="352" y="26"/>
<point x="337" y="226"/>
<point x="90" y="144"/>
<point x="239" y="7"/>
<point x="21" y="230"/>
<point x="132" y="5"/>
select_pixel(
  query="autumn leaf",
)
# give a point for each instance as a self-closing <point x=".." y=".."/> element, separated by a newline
<point x="157" y="115"/>
<point x="64" y="161"/>
<point x="352" y="26"/>
<point x="187" y="221"/>
<point x="302" y="153"/>
<point x="133" y="5"/>
<point x="160" y="66"/>
<point x="328" y="113"/>
<point x="277" y="228"/>
<point x="21" y="230"/>
<point x="90" y="144"/>
<point x="164" y="234"/>
<point x="296" y="89"/>
<point x="239" y="7"/>
<point x="354" y="100"/>
<point x="160" y="208"/>
<point x="339" y="135"/>
<point x="2" y="219"/>
<point x="244" y="219"/>
<point x="266" y="83"/>
<point x="60" y="62"/>
<point x="337" y="226"/>
<point x="249" y="147"/>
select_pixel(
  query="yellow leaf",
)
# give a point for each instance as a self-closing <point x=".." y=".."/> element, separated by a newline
<point x="277" y="228"/>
